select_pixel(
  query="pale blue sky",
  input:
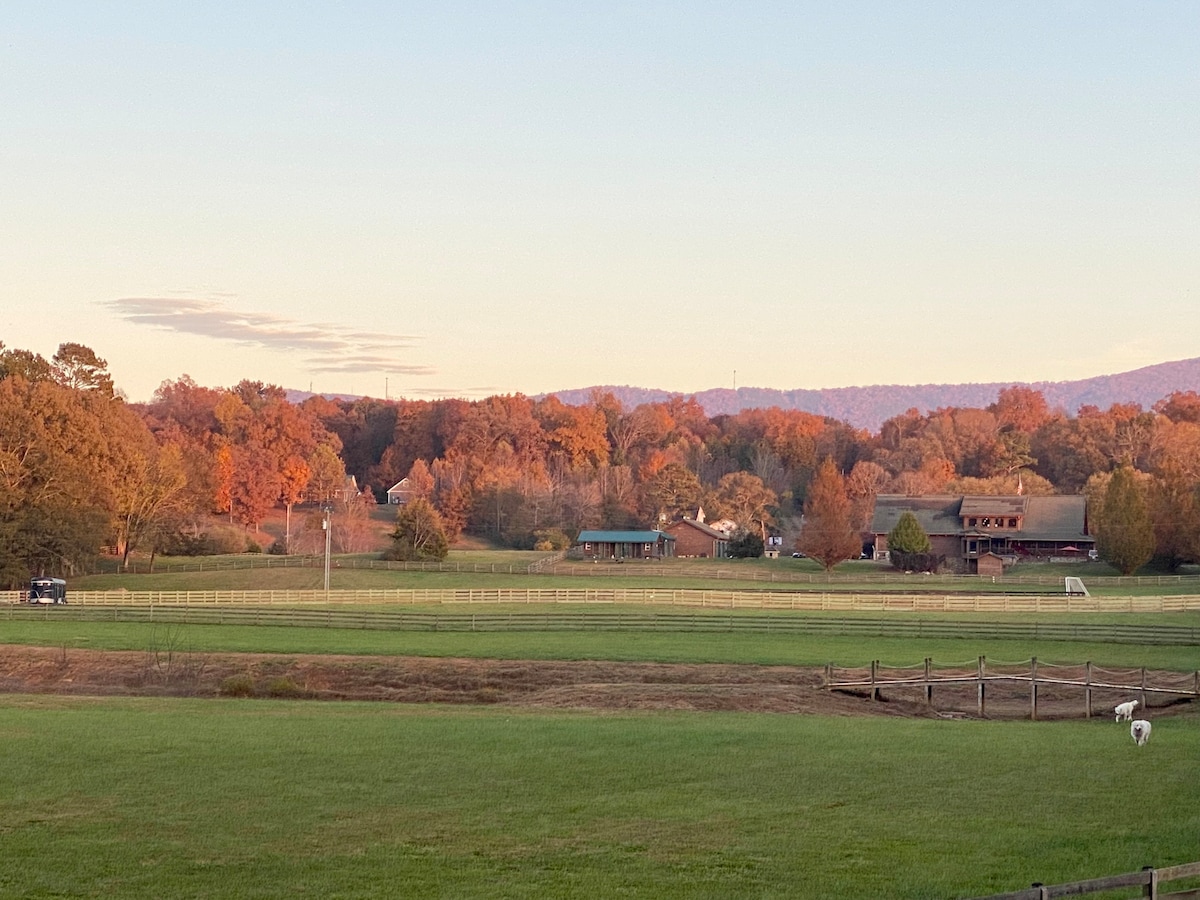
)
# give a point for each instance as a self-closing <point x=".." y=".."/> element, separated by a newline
<point x="491" y="198"/>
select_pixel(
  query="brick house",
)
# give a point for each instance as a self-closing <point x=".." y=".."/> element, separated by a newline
<point x="694" y="538"/>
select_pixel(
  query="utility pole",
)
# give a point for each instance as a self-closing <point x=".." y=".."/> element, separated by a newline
<point x="325" y="524"/>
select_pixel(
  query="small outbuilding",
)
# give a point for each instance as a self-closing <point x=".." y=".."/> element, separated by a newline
<point x="621" y="545"/>
<point x="989" y="564"/>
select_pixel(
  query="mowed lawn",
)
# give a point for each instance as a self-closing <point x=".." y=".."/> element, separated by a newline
<point x="500" y="570"/>
<point x="670" y="644"/>
<point x="159" y="798"/>
<point x="222" y="798"/>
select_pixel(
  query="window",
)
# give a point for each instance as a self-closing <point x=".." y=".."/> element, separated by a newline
<point x="587" y="546"/>
<point x="1012" y="523"/>
<point x="972" y="522"/>
<point x="987" y="521"/>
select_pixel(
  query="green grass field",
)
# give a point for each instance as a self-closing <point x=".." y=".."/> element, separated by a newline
<point x="219" y="798"/>
<point x="256" y="572"/>
<point x="761" y="648"/>
<point x="228" y="799"/>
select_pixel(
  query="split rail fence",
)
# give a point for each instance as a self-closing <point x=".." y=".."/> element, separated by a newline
<point x="731" y="570"/>
<point x="1087" y="677"/>
<point x="608" y="619"/>
<point x="1150" y="880"/>
<point x="722" y="599"/>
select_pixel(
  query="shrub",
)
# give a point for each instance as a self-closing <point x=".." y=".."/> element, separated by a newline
<point x="550" y="539"/>
<point x="282" y="686"/>
<point x="916" y="562"/>
<point x="237" y="686"/>
<point x="746" y="545"/>
<point x="217" y="540"/>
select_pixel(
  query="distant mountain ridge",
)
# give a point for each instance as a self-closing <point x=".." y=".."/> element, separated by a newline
<point x="869" y="407"/>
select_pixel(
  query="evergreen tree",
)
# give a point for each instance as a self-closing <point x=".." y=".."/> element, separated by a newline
<point x="909" y="547"/>
<point x="419" y="533"/>
<point x="828" y="534"/>
<point x="907" y="536"/>
<point x="1126" y="538"/>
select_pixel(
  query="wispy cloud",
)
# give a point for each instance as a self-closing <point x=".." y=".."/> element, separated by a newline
<point x="326" y="348"/>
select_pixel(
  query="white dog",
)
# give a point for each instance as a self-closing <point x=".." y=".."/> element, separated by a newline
<point x="1140" y="731"/>
<point x="1124" y="710"/>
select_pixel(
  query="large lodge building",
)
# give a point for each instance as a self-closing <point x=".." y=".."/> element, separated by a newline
<point x="979" y="533"/>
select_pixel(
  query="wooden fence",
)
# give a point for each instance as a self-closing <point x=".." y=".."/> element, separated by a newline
<point x="396" y="617"/>
<point x="750" y="570"/>
<point x="1150" y="880"/>
<point x="1088" y="678"/>
<point x="713" y="570"/>
<point x="722" y="599"/>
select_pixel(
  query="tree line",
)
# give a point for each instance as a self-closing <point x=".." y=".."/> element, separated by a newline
<point x="197" y="469"/>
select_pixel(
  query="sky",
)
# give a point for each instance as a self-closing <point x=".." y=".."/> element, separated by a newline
<point x="463" y="199"/>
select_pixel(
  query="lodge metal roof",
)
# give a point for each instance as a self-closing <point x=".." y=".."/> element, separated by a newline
<point x="622" y="537"/>
<point x="1044" y="518"/>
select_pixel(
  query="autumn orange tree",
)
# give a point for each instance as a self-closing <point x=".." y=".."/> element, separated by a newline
<point x="828" y="534"/>
<point x="70" y="463"/>
<point x="743" y="498"/>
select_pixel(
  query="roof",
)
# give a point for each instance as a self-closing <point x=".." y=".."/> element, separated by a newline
<point x="993" y="506"/>
<point x="401" y="485"/>
<point x="1055" y="517"/>
<point x="937" y="513"/>
<point x="701" y="527"/>
<point x="622" y="537"/>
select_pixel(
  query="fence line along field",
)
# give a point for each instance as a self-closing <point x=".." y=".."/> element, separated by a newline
<point x="1041" y="681"/>
<point x="725" y="599"/>
<point x="550" y="618"/>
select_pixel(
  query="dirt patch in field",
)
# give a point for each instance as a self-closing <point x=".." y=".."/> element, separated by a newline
<point x="591" y="685"/>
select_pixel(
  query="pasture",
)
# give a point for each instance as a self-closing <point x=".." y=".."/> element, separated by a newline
<point x="511" y="569"/>
<point x="659" y="645"/>
<point x="168" y="798"/>
<point x="203" y="797"/>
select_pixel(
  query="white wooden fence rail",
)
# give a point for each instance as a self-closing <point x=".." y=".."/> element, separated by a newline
<point x="721" y="599"/>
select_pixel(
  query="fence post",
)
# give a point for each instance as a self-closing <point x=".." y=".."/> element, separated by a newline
<point x="982" y="664"/>
<point x="1150" y="889"/>
<point x="1087" y="689"/>
<point x="1033" y="689"/>
<point x="829" y="676"/>
<point x="928" y="682"/>
<point x="1143" y="694"/>
<point x="874" y="672"/>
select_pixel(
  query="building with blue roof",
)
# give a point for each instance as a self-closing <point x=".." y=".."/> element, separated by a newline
<point x="620" y="545"/>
